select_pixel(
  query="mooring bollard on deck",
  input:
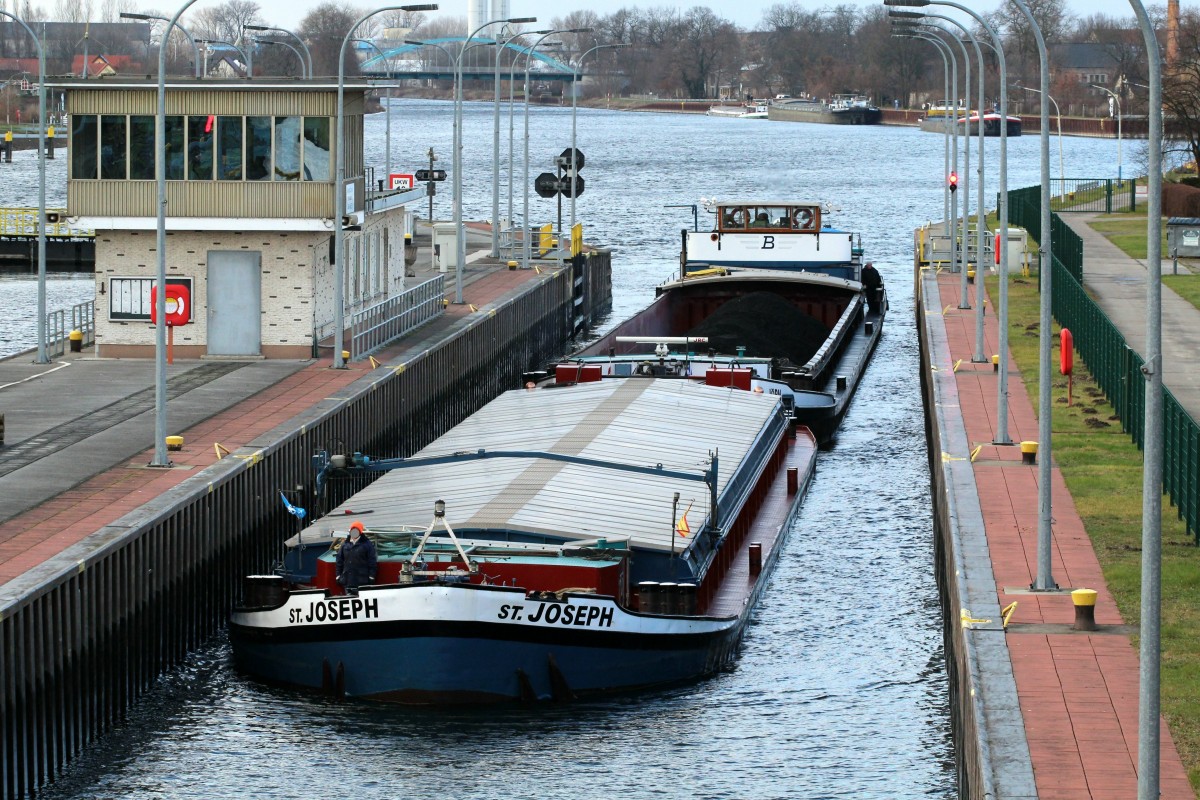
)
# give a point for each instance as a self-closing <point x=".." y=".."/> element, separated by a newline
<point x="755" y="558"/>
<point x="793" y="480"/>
<point x="1085" y="609"/>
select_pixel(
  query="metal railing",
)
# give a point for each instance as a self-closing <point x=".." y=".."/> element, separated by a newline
<point x="1025" y="211"/>
<point x="1104" y="195"/>
<point x="1117" y="369"/>
<point x="83" y="319"/>
<point x="22" y="222"/>
<point x="382" y="323"/>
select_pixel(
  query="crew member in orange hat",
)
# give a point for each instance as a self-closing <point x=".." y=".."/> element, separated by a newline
<point x="357" y="562"/>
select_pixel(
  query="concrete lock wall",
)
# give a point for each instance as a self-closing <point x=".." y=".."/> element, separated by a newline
<point x="85" y="634"/>
<point x="991" y="752"/>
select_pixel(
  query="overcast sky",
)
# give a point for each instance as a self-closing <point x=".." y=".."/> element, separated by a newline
<point x="746" y="13"/>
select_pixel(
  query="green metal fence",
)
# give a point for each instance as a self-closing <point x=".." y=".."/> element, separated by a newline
<point x="1114" y="364"/>
<point x="1105" y="195"/>
<point x="1025" y="211"/>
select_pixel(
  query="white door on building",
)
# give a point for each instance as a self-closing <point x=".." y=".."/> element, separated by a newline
<point x="234" y="303"/>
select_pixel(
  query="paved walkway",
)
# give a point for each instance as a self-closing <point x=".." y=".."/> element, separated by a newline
<point x="1118" y="284"/>
<point x="80" y="431"/>
<point x="1077" y="691"/>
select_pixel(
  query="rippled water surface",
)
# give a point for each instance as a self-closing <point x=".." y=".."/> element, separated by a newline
<point x="840" y="689"/>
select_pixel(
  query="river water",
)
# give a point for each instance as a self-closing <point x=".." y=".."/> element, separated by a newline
<point x="840" y="690"/>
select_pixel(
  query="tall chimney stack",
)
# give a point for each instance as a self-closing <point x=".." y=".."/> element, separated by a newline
<point x="1172" y="32"/>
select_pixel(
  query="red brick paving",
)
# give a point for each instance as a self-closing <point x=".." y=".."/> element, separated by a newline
<point x="40" y="533"/>
<point x="1078" y="692"/>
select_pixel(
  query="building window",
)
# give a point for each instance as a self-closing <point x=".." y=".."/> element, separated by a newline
<point x="258" y="148"/>
<point x="287" y="148"/>
<point x="112" y="147"/>
<point x="229" y="148"/>
<point x="84" y="130"/>
<point x="316" y="149"/>
<point x="200" y="147"/>
<point x="175" y="148"/>
<point x="141" y="148"/>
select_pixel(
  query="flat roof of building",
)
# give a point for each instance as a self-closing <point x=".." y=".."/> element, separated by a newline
<point x="177" y="83"/>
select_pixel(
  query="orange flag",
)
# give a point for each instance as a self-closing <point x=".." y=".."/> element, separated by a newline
<point x="681" y="527"/>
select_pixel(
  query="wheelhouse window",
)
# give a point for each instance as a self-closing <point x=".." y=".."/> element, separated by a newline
<point x="84" y="130"/>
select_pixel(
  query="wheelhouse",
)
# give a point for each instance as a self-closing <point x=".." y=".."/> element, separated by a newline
<point x="768" y="218"/>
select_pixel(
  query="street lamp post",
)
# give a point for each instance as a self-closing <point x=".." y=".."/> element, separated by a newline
<point x="249" y="61"/>
<point x="460" y="240"/>
<point x="303" y="66"/>
<point x="1062" y="175"/>
<point x="1117" y="102"/>
<point x="946" y="54"/>
<point x="1045" y="580"/>
<point x="577" y="70"/>
<point x="527" y="250"/>
<point x="167" y="34"/>
<point x="160" y="305"/>
<point x="387" y="136"/>
<point x="339" y="190"/>
<point x="43" y="356"/>
<point x="307" y="53"/>
<point x="1002" y="385"/>
<point x="1149" y="642"/>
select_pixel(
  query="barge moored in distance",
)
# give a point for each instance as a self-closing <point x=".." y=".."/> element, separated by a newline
<point x="842" y="109"/>
<point x="935" y="122"/>
<point x="770" y="299"/>
<point x="603" y="537"/>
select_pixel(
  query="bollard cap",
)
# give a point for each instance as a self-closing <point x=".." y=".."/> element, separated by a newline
<point x="1029" y="447"/>
<point x="996" y="359"/>
<point x="174" y="442"/>
<point x="1084" y="597"/>
<point x="512" y="264"/>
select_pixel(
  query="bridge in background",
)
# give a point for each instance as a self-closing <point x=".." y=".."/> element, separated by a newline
<point x="417" y="62"/>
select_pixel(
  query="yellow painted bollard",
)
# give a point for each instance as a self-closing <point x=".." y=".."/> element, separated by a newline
<point x="345" y="355"/>
<point x="174" y="442"/>
<point x="1085" y="609"/>
<point x="1029" y="452"/>
<point x="512" y="265"/>
<point x="76" y="339"/>
<point x="970" y="276"/>
<point x="996" y="363"/>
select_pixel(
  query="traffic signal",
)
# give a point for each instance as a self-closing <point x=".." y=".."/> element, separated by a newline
<point x="424" y="175"/>
<point x="953" y="181"/>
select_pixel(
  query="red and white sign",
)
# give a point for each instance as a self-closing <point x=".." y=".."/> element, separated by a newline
<point x="401" y="180"/>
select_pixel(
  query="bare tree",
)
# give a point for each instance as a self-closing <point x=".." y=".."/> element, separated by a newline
<point x="72" y="10"/>
<point x="706" y="44"/>
<point x="226" y="22"/>
<point x="1053" y="20"/>
<point x="324" y="28"/>
<point x="111" y="10"/>
<point x="1181" y="88"/>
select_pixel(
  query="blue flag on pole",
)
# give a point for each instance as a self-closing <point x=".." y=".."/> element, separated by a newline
<point x="296" y="511"/>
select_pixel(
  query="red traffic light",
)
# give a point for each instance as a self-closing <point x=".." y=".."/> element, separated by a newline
<point x="953" y="181"/>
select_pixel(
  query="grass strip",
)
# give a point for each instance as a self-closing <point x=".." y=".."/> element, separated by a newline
<point x="1186" y="286"/>
<point x="1128" y="232"/>
<point x="1103" y="472"/>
